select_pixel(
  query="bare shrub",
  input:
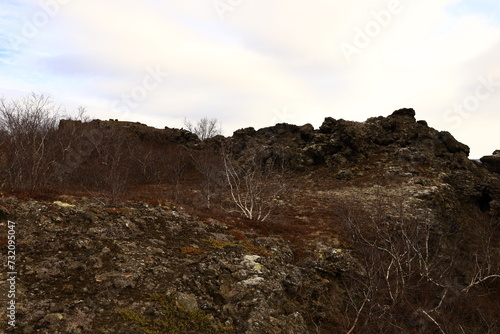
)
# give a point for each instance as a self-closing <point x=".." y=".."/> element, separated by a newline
<point x="409" y="275"/>
<point x="486" y="257"/>
<point x="147" y="162"/>
<point x="27" y="128"/>
<point x="254" y="182"/>
<point x="205" y="128"/>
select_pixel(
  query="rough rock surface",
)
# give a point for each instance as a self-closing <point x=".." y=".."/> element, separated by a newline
<point x="492" y="162"/>
<point x="80" y="263"/>
<point x="397" y="144"/>
<point x="82" y="260"/>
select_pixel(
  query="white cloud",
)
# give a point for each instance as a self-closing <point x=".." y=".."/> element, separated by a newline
<point x="265" y="56"/>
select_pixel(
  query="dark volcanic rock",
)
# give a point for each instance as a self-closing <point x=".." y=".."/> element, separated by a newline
<point x="405" y="112"/>
<point x="451" y="144"/>
<point x="379" y="143"/>
<point x="339" y="143"/>
<point x="492" y="162"/>
<point x="83" y="262"/>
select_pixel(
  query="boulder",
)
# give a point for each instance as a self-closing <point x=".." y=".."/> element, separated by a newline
<point x="492" y="162"/>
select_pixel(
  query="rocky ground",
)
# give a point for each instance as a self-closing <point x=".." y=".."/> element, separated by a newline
<point x="79" y="263"/>
<point x="95" y="265"/>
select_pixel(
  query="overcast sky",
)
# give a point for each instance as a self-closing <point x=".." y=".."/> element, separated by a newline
<point x="261" y="62"/>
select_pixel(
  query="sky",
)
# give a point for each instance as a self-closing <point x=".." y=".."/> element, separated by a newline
<point x="261" y="62"/>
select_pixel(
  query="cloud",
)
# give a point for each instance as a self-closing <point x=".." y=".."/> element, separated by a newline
<point x="249" y="62"/>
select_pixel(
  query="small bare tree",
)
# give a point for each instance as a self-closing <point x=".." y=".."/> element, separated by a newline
<point x="205" y="128"/>
<point x="255" y="184"/>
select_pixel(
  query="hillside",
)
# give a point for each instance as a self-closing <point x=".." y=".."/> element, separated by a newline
<point x="382" y="226"/>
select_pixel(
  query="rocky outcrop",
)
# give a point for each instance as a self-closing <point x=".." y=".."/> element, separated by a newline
<point x="130" y="131"/>
<point x="397" y="142"/>
<point x="492" y="162"/>
<point x="338" y="143"/>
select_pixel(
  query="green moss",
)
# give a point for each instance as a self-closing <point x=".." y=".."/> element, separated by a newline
<point x="174" y="319"/>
